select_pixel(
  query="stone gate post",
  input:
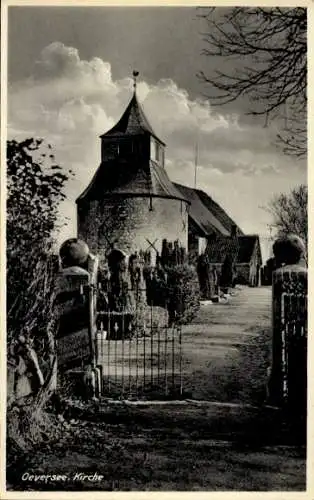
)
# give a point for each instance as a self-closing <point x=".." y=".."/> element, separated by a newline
<point x="288" y="385"/>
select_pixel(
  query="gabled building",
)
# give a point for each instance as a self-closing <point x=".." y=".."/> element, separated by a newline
<point x="245" y="252"/>
<point x="206" y="218"/>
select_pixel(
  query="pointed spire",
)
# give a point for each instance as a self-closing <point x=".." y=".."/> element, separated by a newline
<point x="133" y="121"/>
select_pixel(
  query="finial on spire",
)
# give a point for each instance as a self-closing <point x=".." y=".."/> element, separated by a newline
<point x="135" y="75"/>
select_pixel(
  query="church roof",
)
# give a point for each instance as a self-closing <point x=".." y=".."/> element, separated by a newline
<point x="131" y="175"/>
<point x="132" y="122"/>
<point x="126" y="179"/>
<point x="218" y="212"/>
<point x="206" y="214"/>
<point x="203" y="218"/>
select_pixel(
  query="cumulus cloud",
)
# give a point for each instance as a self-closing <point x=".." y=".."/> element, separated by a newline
<point x="57" y="60"/>
<point x="70" y="102"/>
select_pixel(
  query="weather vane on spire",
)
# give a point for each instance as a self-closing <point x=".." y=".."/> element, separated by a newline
<point x="135" y="75"/>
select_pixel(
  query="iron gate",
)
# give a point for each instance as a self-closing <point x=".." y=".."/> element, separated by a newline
<point x="139" y="352"/>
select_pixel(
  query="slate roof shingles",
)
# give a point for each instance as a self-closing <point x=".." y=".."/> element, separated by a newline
<point x="218" y="211"/>
<point x="132" y="122"/>
<point x="204" y="218"/>
<point x="128" y="179"/>
<point x="241" y="247"/>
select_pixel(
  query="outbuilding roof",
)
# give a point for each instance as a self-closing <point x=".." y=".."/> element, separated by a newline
<point x="221" y="246"/>
<point x="241" y="248"/>
<point x="247" y="246"/>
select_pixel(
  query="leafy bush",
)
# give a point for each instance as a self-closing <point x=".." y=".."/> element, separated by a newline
<point x="35" y="189"/>
<point x="175" y="288"/>
<point x="183" y="293"/>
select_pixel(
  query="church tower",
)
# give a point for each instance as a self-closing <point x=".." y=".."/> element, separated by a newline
<point x="131" y="201"/>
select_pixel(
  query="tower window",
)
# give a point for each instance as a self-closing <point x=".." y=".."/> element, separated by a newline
<point x="152" y="149"/>
<point x="157" y="151"/>
<point x="110" y="150"/>
<point x="162" y="161"/>
<point x="125" y="148"/>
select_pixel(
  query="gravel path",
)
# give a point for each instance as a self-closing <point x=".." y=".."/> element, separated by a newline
<point x="226" y="350"/>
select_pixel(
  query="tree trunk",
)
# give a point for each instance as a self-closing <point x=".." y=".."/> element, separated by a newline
<point x="48" y="388"/>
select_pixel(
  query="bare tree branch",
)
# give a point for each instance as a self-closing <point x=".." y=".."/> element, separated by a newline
<point x="270" y="46"/>
<point x="289" y="212"/>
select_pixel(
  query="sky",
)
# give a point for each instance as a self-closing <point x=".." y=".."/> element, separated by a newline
<point x="69" y="81"/>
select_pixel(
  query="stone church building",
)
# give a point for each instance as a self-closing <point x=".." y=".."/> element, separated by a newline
<point x="131" y="202"/>
<point x="132" y="205"/>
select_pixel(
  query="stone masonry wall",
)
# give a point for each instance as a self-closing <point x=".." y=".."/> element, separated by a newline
<point x="129" y="222"/>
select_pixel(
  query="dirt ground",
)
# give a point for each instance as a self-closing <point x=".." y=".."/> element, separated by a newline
<point x="168" y="448"/>
<point x="192" y="446"/>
